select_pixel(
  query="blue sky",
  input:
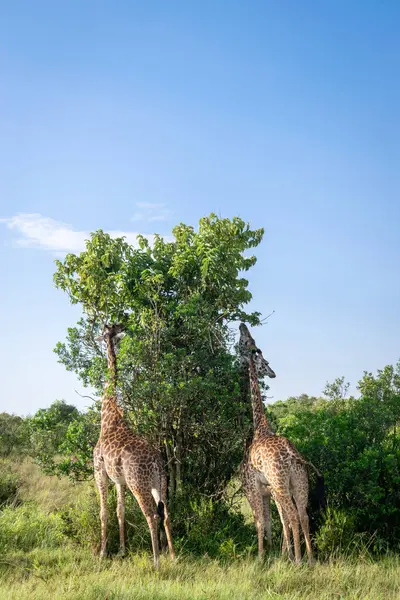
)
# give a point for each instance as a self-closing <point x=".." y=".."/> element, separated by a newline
<point x="134" y="116"/>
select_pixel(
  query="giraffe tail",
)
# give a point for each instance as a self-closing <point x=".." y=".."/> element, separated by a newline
<point x="157" y="495"/>
<point x="320" y="485"/>
<point x="161" y="512"/>
<point x="307" y="462"/>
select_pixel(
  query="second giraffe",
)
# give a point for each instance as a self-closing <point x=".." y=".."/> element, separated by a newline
<point x="273" y="465"/>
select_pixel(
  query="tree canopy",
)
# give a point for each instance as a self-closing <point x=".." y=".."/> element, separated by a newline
<point x="356" y="443"/>
<point x="178" y="379"/>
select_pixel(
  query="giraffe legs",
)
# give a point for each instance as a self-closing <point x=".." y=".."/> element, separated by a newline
<point x="306" y="532"/>
<point x="146" y="503"/>
<point x="290" y="517"/>
<point x="167" y="525"/>
<point x="300" y="494"/>
<point x="102" y="484"/>
<point x="152" y="523"/>
<point x="286" y="544"/>
<point x="121" y="516"/>
<point x="255" y="500"/>
<point x="260" y="533"/>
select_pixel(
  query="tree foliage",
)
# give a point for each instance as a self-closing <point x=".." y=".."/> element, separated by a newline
<point x="13" y="435"/>
<point x="178" y="380"/>
<point x="180" y="386"/>
<point x="47" y="431"/>
<point x="356" y="443"/>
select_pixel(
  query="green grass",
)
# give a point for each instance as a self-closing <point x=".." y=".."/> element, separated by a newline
<point x="38" y="562"/>
<point x="76" y="575"/>
<point x="49" y="492"/>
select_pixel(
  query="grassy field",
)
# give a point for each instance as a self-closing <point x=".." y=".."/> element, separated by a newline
<point x="73" y="575"/>
<point x="69" y="572"/>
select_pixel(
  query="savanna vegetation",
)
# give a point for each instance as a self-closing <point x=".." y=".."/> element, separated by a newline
<point x="181" y="386"/>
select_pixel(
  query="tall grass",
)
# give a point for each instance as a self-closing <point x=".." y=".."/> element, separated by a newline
<point x="47" y="536"/>
<point x="68" y="574"/>
<point x="49" y="492"/>
<point x="27" y="527"/>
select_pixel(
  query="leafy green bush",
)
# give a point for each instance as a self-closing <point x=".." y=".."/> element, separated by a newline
<point x="9" y="483"/>
<point x="27" y="526"/>
<point x="206" y="527"/>
<point x="47" y="429"/>
<point x="336" y="533"/>
<point x="14" y="436"/>
<point x="355" y="442"/>
<point x="200" y="527"/>
<point x="81" y="522"/>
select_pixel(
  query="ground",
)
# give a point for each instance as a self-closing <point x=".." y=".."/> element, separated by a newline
<point x="77" y="575"/>
<point x="71" y="572"/>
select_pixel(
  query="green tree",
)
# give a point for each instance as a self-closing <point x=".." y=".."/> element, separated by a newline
<point x="337" y="389"/>
<point x="13" y="435"/>
<point x="178" y="379"/>
<point x="47" y="430"/>
<point x="355" y="442"/>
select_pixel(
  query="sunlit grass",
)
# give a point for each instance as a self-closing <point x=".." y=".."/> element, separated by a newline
<point x="49" y="492"/>
<point x="77" y="575"/>
<point x="54" y="568"/>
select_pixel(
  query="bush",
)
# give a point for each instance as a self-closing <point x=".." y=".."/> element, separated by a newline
<point x="9" y="484"/>
<point x="203" y="527"/>
<point x="27" y="527"/>
<point x="81" y="522"/>
<point x="47" y="430"/>
<point x="355" y="442"/>
<point x="200" y="527"/>
<point x="336" y="534"/>
<point x="14" y="436"/>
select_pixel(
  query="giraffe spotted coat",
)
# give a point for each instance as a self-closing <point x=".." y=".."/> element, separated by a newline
<point x="277" y="462"/>
<point x="129" y="461"/>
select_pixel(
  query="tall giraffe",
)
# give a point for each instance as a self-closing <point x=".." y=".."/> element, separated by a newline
<point x="128" y="460"/>
<point x="278" y="463"/>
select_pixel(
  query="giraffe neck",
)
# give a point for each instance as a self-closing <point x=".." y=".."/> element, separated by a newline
<point x="112" y="361"/>
<point x="110" y="411"/>
<point x="260" y="422"/>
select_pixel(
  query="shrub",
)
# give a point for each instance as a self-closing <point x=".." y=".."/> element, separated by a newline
<point x="213" y="528"/>
<point x="9" y="484"/>
<point x="14" y="436"/>
<point x="336" y="533"/>
<point x="201" y="527"/>
<point x="81" y="522"/>
<point x="26" y="527"/>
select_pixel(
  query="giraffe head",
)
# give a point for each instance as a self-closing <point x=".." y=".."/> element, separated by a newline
<point x="112" y="332"/>
<point x="248" y="350"/>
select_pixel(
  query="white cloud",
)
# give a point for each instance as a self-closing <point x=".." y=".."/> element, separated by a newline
<point x="164" y="216"/>
<point x="151" y="212"/>
<point x="149" y="205"/>
<point x="138" y="217"/>
<point x="36" y="231"/>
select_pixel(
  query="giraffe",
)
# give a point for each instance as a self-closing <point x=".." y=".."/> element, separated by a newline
<point x="129" y="461"/>
<point x="278" y="464"/>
